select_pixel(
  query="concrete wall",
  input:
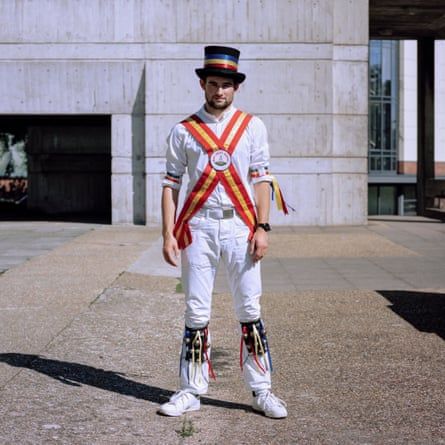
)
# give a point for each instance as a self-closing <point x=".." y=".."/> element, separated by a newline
<point x="306" y="66"/>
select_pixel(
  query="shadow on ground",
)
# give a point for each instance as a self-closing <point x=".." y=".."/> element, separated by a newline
<point x="76" y="374"/>
<point x="423" y="310"/>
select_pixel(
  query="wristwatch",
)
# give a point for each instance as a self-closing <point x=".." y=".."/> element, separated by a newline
<point x="265" y="226"/>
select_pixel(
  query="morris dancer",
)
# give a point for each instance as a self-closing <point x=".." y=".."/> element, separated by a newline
<point x="226" y="154"/>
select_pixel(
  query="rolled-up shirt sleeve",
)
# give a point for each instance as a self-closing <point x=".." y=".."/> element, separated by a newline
<point x="259" y="156"/>
<point x="176" y="159"/>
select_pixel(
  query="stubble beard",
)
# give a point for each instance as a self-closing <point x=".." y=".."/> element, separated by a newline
<point x="218" y="105"/>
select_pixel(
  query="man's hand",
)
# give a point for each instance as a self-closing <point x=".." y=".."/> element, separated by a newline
<point x="259" y="244"/>
<point x="170" y="250"/>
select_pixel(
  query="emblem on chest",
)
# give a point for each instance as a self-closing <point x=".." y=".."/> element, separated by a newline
<point x="220" y="160"/>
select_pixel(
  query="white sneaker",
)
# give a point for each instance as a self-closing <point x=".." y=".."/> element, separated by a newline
<point x="180" y="403"/>
<point x="269" y="404"/>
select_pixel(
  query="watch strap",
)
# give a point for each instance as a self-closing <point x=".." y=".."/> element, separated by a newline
<point x="265" y="226"/>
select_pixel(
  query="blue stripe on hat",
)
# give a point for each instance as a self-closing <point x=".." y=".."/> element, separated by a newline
<point x="222" y="56"/>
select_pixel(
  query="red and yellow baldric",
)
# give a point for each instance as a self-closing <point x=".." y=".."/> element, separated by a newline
<point x="219" y="169"/>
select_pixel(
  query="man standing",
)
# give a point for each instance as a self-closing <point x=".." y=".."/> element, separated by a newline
<point x="225" y="152"/>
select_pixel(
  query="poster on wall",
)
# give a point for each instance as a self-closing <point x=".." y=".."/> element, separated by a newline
<point x="13" y="169"/>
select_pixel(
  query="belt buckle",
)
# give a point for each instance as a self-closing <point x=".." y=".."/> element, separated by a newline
<point x="227" y="213"/>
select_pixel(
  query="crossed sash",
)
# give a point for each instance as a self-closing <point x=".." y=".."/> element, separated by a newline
<point x="223" y="148"/>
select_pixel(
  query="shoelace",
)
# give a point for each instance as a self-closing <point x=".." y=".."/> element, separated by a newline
<point x="273" y="399"/>
<point x="178" y="396"/>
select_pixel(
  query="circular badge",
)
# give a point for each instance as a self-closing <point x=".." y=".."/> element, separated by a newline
<point x="220" y="160"/>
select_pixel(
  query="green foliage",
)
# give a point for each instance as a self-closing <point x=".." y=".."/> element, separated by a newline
<point x="188" y="429"/>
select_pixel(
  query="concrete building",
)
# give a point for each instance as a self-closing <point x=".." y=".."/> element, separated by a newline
<point x="131" y="63"/>
<point x="94" y="86"/>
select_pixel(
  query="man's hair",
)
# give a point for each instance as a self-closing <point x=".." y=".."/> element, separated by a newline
<point x="204" y="78"/>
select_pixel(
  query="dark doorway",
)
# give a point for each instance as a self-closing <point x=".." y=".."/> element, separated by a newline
<point x="55" y="167"/>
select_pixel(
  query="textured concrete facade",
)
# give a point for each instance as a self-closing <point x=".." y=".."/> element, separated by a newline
<point x="306" y="66"/>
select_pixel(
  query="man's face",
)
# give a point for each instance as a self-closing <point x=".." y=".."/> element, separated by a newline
<point x="219" y="91"/>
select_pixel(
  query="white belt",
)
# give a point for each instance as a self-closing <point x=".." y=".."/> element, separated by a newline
<point x="218" y="213"/>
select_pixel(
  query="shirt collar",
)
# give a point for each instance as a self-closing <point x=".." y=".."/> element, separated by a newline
<point x="212" y="118"/>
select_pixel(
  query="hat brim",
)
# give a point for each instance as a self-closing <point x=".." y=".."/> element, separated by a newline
<point x="204" y="72"/>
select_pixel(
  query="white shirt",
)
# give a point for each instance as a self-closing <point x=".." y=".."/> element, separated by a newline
<point x="184" y="153"/>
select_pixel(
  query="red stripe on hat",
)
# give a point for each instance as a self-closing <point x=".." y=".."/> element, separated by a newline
<point x="221" y="66"/>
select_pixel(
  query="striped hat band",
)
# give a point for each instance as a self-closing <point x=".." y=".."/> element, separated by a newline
<point x="221" y="61"/>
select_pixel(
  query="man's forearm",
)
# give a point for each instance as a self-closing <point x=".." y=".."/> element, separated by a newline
<point x="262" y="201"/>
<point x="169" y="205"/>
<point x="170" y="247"/>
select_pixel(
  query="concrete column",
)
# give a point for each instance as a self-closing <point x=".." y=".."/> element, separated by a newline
<point x="348" y="195"/>
<point x="425" y="116"/>
<point x="127" y="169"/>
<point x="138" y="153"/>
<point x="121" y="177"/>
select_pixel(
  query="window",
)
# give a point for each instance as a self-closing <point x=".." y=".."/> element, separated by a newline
<point x="383" y="106"/>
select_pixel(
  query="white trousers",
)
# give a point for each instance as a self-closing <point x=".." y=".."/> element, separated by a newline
<point x="215" y="239"/>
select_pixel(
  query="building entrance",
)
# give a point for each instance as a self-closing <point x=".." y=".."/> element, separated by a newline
<point x="56" y="167"/>
<point x="423" y="21"/>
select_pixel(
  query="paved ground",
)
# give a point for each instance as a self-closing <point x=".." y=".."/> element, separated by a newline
<point x="356" y="319"/>
<point x="22" y="240"/>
